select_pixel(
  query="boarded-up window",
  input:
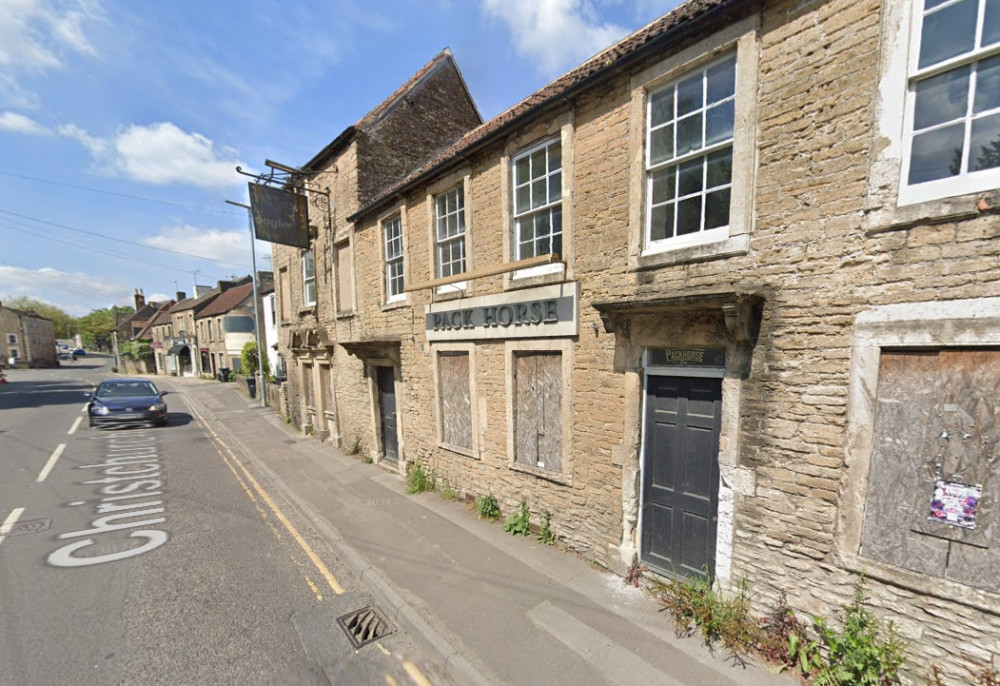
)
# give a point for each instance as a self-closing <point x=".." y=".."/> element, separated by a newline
<point x="345" y="278"/>
<point x="538" y="410"/>
<point x="307" y="395"/>
<point x="936" y="430"/>
<point x="456" y="399"/>
<point x="326" y="383"/>
<point x="284" y="289"/>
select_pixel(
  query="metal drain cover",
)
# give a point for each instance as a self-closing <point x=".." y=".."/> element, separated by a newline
<point x="364" y="626"/>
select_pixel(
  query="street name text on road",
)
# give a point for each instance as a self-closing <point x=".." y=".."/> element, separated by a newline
<point x="131" y="480"/>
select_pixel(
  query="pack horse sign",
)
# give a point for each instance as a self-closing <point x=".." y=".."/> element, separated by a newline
<point x="531" y="313"/>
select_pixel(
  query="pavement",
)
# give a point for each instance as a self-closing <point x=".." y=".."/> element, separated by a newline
<point x="489" y="607"/>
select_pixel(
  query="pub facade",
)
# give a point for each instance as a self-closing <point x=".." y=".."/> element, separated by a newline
<point x="723" y="300"/>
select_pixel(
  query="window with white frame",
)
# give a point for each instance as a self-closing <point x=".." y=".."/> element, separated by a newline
<point x="450" y="219"/>
<point x="12" y="339"/>
<point x="689" y="157"/>
<point x="952" y="132"/>
<point x="538" y="201"/>
<point x="392" y="232"/>
<point x="308" y="278"/>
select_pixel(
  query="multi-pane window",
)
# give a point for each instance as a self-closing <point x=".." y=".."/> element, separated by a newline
<point x="538" y="201"/>
<point x="954" y="105"/>
<point x="308" y="278"/>
<point x="689" y="155"/>
<point x="450" y="210"/>
<point x="394" y="278"/>
<point x="12" y="339"/>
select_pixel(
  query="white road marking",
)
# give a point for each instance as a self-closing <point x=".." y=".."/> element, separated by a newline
<point x="9" y="523"/>
<point x="617" y="664"/>
<point x="72" y="429"/>
<point x="51" y="463"/>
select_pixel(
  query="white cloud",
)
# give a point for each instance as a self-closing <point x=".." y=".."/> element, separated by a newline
<point x="37" y="35"/>
<point x="227" y="247"/>
<point x="96" y="146"/>
<point x="18" y="123"/>
<point x="73" y="292"/>
<point x="162" y="154"/>
<point x="556" y="34"/>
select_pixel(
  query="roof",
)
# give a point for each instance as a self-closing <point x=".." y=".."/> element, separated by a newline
<point x="227" y="301"/>
<point x="25" y="313"/>
<point x="374" y="116"/>
<point x="162" y="316"/>
<point x="671" y="28"/>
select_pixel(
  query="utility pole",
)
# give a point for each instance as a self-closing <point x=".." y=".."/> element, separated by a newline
<point x="258" y="325"/>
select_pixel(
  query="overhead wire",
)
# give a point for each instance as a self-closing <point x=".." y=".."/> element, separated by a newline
<point x="120" y="240"/>
<point x="208" y="210"/>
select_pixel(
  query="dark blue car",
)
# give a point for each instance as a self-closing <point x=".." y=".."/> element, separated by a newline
<point x="127" y="402"/>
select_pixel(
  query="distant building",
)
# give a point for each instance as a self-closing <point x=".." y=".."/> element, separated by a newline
<point x="26" y="339"/>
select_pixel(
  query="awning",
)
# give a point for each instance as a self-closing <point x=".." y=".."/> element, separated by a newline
<point x="176" y="348"/>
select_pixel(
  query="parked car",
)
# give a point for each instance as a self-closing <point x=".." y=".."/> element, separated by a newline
<point x="79" y="351"/>
<point x="125" y="402"/>
<point x="67" y="355"/>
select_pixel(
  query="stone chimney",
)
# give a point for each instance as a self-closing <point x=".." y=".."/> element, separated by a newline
<point x="140" y="300"/>
<point x="181" y="295"/>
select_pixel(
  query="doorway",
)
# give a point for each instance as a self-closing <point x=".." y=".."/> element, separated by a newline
<point x="387" y="412"/>
<point x="680" y="475"/>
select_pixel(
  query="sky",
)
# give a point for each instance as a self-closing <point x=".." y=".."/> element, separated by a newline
<point x="122" y="123"/>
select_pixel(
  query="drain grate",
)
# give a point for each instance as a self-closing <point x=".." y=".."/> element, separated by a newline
<point x="364" y="626"/>
<point x="30" y="526"/>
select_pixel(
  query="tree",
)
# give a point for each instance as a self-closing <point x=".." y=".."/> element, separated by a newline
<point x="64" y="324"/>
<point x="96" y="327"/>
<point x="248" y="360"/>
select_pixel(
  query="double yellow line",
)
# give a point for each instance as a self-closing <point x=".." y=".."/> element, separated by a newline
<point x="256" y="493"/>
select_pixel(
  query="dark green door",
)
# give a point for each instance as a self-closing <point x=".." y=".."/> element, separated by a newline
<point x="680" y="490"/>
<point x="387" y="412"/>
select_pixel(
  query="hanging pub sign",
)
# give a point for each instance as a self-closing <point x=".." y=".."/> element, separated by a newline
<point x="279" y="216"/>
<point x="955" y="503"/>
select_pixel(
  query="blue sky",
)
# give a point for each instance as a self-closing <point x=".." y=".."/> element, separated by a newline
<point x="121" y="123"/>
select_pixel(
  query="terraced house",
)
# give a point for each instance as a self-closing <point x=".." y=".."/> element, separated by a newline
<point x="724" y="299"/>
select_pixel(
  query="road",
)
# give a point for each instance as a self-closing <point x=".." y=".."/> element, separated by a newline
<point x="157" y="556"/>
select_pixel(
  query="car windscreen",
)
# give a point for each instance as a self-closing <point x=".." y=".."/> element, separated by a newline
<point x="124" y="390"/>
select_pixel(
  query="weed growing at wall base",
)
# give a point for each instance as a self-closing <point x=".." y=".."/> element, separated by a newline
<point x="519" y="523"/>
<point x="545" y="534"/>
<point x="418" y="480"/>
<point x="866" y="652"/>
<point x="488" y="508"/>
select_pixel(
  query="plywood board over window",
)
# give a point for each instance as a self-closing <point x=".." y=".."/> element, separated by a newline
<point x="937" y="420"/>
<point x="456" y="399"/>
<point x="538" y="425"/>
<point x="345" y="278"/>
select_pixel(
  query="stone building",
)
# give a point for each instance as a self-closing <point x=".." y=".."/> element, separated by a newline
<point x="224" y="326"/>
<point x="724" y="300"/>
<point x="26" y="339"/>
<point x="426" y="114"/>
